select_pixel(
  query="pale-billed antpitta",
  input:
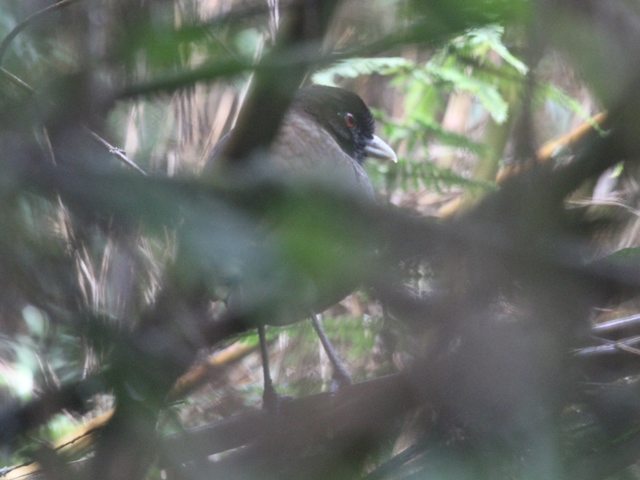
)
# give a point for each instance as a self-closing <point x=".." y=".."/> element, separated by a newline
<point x="325" y="136"/>
<point x="324" y="139"/>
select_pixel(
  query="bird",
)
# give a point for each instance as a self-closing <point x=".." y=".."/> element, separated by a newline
<point x="325" y="136"/>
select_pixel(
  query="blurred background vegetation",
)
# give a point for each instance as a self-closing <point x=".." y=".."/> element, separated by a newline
<point x="495" y="335"/>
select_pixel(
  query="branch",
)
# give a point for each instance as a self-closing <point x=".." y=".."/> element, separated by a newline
<point x="118" y="152"/>
<point x="256" y="125"/>
<point x="363" y="409"/>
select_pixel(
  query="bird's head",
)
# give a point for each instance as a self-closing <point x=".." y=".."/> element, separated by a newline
<point x="347" y="118"/>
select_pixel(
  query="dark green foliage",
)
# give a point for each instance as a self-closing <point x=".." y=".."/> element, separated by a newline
<point x="472" y="345"/>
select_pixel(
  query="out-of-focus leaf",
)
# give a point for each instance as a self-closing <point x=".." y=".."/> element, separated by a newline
<point x="547" y="90"/>
<point x="423" y="128"/>
<point x="486" y="93"/>
<point x="354" y="67"/>
<point x="457" y="15"/>
<point x="247" y="41"/>
<point x="482" y="40"/>
<point x="625" y="257"/>
<point x="35" y="321"/>
<point x="166" y="48"/>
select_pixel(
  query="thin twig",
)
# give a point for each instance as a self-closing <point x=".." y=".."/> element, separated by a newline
<point x="5" y="471"/>
<point x="617" y="323"/>
<point x="17" y="81"/>
<point x="118" y="152"/>
<point x="610" y="347"/>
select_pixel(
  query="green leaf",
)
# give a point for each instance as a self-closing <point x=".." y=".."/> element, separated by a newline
<point x="623" y="257"/>
<point x="554" y="93"/>
<point x="490" y="38"/>
<point x="355" y="67"/>
<point x="486" y="93"/>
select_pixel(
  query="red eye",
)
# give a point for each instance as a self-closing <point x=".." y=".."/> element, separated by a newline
<point x="349" y="120"/>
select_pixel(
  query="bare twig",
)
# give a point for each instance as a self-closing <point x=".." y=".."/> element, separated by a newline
<point x="617" y="323"/>
<point x="118" y="152"/>
<point x="17" y="81"/>
<point x="611" y="347"/>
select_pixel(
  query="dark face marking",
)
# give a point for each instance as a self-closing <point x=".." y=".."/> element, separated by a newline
<point x="342" y="113"/>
